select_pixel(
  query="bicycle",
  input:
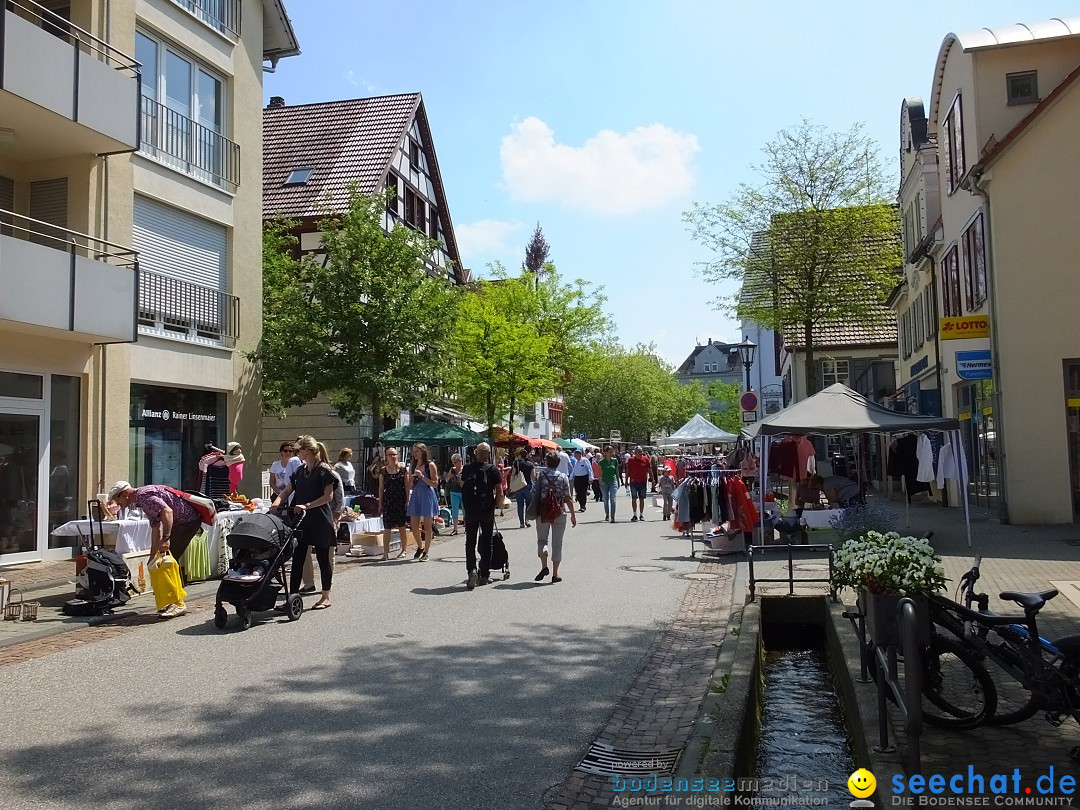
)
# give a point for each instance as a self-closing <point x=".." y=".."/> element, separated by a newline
<point x="1047" y="671"/>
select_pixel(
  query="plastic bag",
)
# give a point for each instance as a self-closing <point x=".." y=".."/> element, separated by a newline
<point x="165" y="580"/>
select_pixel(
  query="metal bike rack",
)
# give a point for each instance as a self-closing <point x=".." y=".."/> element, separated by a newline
<point x="908" y="697"/>
<point x="790" y="578"/>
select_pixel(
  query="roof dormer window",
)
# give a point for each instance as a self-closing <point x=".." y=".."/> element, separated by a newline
<point x="298" y="177"/>
<point x="1022" y="88"/>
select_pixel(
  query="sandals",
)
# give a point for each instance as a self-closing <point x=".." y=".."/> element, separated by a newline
<point x="320" y="605"/>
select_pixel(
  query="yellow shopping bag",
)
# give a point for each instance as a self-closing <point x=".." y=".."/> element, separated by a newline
<point x="165" y="580"/>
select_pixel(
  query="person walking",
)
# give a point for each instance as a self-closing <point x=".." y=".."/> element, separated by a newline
<point x="553" y="494"/>
<point x="594" y="459"/>
<point x="581" y="475"/>
<point x="345" y="470"/>
<point x="424" y="500"/>
<point x="566" y="464"/>
<point x="609" y="481"/>
<point x="452" y="482"/>
<point x="527" y="470"/>
<point x="637" y="472"/>
<point x="481" y="489"/>
<point x="667" y="487"/>
<point x="313" y="483"/>
<point x="395" y="484"/>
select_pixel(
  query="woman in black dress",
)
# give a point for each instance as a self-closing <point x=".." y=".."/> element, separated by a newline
<point x="313" y="483"/>
<point x="395" y="484"/>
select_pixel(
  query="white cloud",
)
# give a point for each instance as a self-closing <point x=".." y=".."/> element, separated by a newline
<point x="361" y="82"/>
<point x="486" y="238"/>
<point x="611" y="173"/>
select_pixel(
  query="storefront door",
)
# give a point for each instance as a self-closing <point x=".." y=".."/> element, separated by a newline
<point x="21" y="520"/>
<point x="1072" y="424"/>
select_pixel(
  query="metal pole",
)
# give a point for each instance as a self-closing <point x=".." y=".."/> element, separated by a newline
<point x="912" y="681"/>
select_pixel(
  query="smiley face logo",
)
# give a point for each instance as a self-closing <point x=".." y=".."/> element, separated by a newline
<point x="861" y="783"/>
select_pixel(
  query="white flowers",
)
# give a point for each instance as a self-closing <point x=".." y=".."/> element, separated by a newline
<point x="888" y="563"/>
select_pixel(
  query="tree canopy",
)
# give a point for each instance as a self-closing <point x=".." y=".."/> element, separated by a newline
<point x="364" y="320"/>
<point x="728" y="416"/>
<point x="633" y="391"/>
<point x="815" y="242"/>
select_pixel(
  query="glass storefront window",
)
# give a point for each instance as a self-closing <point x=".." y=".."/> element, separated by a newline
<point x="64" y="459"/>
<point x="21" y="386"/>
<point x="20" y="453"/>
<point x="169" y="427"/>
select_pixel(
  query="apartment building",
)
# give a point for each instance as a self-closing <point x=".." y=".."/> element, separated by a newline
<point x="1004" y="111"/>
<point x="130" y="246"/>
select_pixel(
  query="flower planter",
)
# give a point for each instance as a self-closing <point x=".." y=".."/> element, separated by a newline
<point x="882" y="621"/>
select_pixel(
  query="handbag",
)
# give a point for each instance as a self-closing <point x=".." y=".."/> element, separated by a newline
<point x="517" y="481"/>
<point x="165" y="580"/>
<point x="532" y="511"/>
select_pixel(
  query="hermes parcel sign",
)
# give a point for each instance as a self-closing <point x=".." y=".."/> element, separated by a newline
<point x="965" y="326"/>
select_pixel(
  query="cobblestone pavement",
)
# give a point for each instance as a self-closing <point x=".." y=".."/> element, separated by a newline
<point x="659" y="710"/>
<point x="1017" y="558"/>
<point x="26" y="575"/>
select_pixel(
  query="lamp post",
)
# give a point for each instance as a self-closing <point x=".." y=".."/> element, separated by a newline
<point x="747" y="350"/>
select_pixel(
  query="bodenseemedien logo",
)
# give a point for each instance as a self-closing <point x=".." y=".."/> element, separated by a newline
<point x="861" y="784"/>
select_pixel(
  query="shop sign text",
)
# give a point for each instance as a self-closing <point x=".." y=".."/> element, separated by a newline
<point x="165" y="415"/>
<point x="974" y="365"/>
<point x="965" y="326"/>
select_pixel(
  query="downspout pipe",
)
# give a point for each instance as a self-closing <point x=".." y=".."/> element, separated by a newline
<point x="972" y="184"/>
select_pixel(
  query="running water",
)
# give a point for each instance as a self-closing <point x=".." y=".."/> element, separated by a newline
<point x="803" y="748"/>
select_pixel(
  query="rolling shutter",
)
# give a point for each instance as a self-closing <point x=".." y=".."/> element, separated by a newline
<point x="7" y="203"/>
<point x="48" y="203"/>
<point x="178" y="244"/>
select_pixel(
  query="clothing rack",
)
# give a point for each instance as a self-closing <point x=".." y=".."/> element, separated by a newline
<point x="713" y="473"/>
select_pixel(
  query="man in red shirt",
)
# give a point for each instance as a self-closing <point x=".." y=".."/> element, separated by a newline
<point x="638" y="469"/>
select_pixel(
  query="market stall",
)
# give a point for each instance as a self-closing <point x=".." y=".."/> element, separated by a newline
<point x="838" y="411"/>
<point x="698" y="430"/>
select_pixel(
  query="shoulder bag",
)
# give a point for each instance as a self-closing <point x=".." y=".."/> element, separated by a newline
<point x="517" y="480"/>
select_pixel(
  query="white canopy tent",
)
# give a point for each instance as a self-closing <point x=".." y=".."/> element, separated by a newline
<point x="698" y="430"/>
<point x="838" y="410"/>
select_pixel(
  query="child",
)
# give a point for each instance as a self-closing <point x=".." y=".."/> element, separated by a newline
<point x="249" y="567"/>
<point x="667" y="486"/>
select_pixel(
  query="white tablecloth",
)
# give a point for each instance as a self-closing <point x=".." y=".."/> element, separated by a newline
<point x="131" y="535"/>
<point x="373" y="524"/>
<point x="819" y="518"/>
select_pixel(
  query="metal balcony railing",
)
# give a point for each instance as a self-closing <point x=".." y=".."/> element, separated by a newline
<point x="221" y="15"/>
<point x="177" y="308"/>
<point x="72" y="242"/>
<point x="82" y="41"/>
<point x="189" y="146"/>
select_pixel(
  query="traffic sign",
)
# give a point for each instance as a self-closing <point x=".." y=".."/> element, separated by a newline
<point x="581" y="436"/>
<point x="749" y="401"/>
<point x="749" y="416"/>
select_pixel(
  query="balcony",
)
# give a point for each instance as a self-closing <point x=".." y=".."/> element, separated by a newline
<point x="189" y="147"/>
<point x="221" y="15"/>
<point x="63" y="91"/>
<point x="173" y="308"/>
<point x="70" y="284"/>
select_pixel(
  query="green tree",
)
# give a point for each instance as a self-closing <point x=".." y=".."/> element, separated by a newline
<point x="499" y="356"/>
<point x="633" y="391"/>
<point x="363" y="321"/>
<point x="815" y="242"/>
<point x="727" y="417"/>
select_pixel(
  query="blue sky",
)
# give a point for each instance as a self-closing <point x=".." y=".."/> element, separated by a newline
<point x="603" y="120"/>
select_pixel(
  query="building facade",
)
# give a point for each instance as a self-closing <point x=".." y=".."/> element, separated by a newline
<point x="1004" y="108"/>
<point x="130" y="247"/>
<point x="313" y="154"/>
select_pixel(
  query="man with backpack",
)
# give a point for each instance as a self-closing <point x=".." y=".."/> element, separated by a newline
<point x="481" y="490"/>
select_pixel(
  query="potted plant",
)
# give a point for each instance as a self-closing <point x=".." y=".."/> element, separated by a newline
<point x="884" y="568"/>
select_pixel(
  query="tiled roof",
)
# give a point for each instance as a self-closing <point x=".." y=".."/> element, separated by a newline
<point x="344" y="142"/>
<point x="687" y="366"/>
<point x="846" y="334"/>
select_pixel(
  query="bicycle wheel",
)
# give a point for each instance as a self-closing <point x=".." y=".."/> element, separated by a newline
<point x="1015" y="703"/>
<point x="958" y="693"/>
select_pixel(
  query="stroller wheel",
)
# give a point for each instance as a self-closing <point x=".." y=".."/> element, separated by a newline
<point x="506" y="573"/>
<point x="244" y="615"/>
<point x="294" y="607"/>
<point x="220" y="617"/>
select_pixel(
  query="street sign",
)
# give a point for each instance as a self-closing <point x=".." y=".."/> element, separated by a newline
<point x="749" y="401"/>
<point x="581" y="436"/>
<point x="965" y="326"/>
<point x="616" y="435"/>
<point x="975" y="365"/>
<point x="749" y="416"/>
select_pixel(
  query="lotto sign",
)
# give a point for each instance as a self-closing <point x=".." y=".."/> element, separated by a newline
<point x="965" y="326"/>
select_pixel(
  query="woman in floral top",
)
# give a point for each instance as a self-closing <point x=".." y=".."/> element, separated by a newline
<point x="550" y="477"/>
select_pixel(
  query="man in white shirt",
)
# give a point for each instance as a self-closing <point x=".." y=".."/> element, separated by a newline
<point x="581" y="474"/>
<point x="566" y="464"/>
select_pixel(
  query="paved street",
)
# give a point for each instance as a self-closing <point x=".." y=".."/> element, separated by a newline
<point x="410" y="692"/>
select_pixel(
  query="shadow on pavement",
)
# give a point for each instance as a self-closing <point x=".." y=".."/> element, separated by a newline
<point x="387" y="724"/>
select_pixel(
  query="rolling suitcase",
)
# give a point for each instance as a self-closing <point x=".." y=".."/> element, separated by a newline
<point x="500" y="560"/>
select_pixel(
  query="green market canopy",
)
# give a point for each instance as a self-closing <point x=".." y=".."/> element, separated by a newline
<point x="432" y="432"/>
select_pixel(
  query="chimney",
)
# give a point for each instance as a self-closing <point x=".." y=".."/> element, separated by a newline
<point x="276" y="101"/>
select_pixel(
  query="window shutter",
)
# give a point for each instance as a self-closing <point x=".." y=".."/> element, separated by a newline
<point x="178" y="244"/>
<point x="48" y="203"/>
<point x="7" y="202"/>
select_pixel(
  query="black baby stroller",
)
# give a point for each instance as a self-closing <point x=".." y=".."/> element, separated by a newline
<point x="500" y="559"/>
<point x="262" y="544"/>
<point x="102" y="586"/>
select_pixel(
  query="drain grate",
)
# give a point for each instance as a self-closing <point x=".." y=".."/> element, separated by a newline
<point x="643" y="569"/>
<point x="696" y="576"/>
<point x="454" y="560"/>
<point x="604" y="759"/>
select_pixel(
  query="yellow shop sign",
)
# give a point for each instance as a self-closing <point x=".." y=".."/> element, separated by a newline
<point x="965" y="326"/>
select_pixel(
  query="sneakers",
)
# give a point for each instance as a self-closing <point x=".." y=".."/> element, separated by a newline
<point x="633" y="519"/>
<point x="424" y="557"/>
<point x="416" y="556"/>
<point x="172" y="611"/>
<point x="543" y="573"/>
<point x="484" y="581"/>
<point x="472" y="581"/>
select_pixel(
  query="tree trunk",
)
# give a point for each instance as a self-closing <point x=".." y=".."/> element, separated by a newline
<point x="811" y="362"/>
<point x="510" y="421"/>
<point x="376" y="417"/>
<point x="491" y="420"/>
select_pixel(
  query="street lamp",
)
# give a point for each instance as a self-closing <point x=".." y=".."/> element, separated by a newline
<point x="747" y="350"/>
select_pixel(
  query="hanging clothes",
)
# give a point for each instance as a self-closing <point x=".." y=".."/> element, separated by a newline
<point x="745" y="514"/>
<point x="807" y="458"/>
<point x="907" y="461"/>
<point x="952" y="464"/>
<point x="924" y="455"/>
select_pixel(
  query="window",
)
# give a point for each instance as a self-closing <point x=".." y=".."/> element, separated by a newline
<point x="1022" y="88"/>
<point x="974" y="264"/>
<point x="433" y="223"/>
<point x="394" y="193"/>
<point x="952" y="147"/>
<point x="834" y="371"/>
<point x="298" y="177"/>
<point x="410" y="206"/>
<point x="421" y="214"/>
<point x="414" y="155"/>
<point x="950" y="282"/>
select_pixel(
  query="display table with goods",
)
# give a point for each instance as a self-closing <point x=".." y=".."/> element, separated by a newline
<point x="365" y="535"/>
<point x="127" y="536"/>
